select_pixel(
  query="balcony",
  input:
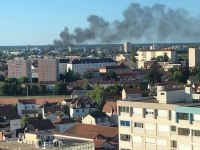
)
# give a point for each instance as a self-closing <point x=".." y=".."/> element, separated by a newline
<point x="183" y="135"/>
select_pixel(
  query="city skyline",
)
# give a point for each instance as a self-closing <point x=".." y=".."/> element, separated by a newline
<point x="40" y="22"/>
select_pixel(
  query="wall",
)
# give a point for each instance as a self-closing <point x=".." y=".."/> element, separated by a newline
<point x="89" y="120"/>
<point x="63" y="127"/>
<point x="52" y="117"/>
<point x="74" y="114"/>
<point x="31" y="137"/>
<point x="15" y="124"/>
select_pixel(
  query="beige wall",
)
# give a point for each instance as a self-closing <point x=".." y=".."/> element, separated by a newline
<point x="89" y="120"/>
<point x="31" y="137"/>
<point x="48" y="70"/>
<point x="194" y="57"/>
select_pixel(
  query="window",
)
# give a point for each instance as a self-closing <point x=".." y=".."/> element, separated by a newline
<point x="195" y="132"/>
<point x="162" y="142"/>
<point x="150" y="141"/>
<point x="32" y="106"/>
<point x="123" y="109"/>
<point x="125" y="123"/>
<point x="173" y="128"/>
<point x="174" y="144"/>
<point x="77" y="111"/>
<point x="125" y="137"/>
<point x="149" y="113"/>
<point x="138" y="125"/>
<point x="162" y="93"/>
<point x="25" y="107"/>
<point x="83" y="110"/>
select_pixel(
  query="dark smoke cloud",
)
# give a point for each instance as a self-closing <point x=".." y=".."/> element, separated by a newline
<point x="139" y="24"/>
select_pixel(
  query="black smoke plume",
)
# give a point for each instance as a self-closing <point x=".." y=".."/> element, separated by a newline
<point x="139" y="24"/>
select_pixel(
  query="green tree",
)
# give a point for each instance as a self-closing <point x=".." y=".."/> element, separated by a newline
<point x="77" y="87"/>
<point x="2" y="79"/>
<point x="165" y="57"/>
<point x="87" y="74"/>
<point x="66" y="110"/>
<point x="111" y="75"/>
<point x="42" y="88"/>
<point x="86" y="87"/>
<point x="114" y="90"/>
<point x="34" y="89"/>
<point x="15" y="106"/>
<point x="60" y="88"/>
<point x="132" y="56"/>
<point x="10" y="80"/>
<point x="22" y="80"/>
<point x="178" y="77"/>
<point x="26" y="119"/>
<point x="153" y="76"/>
<point x="102" y="55"/>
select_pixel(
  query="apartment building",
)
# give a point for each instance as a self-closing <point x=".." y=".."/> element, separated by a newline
<point x="122" y="57"/>
<point x="169" y="122"/>
<point x="48" y="70"/>
<point x="81" y="65"/>
<point x="63" y="65"/>
<point x="127" y="47"/>
<point x="148" y="54"/>
<point x="20" y="67"/>
<point x="194" y="57"/>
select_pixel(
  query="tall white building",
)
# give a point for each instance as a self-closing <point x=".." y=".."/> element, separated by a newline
<point x="81" y="65"/>
<point x="168" y="122"/>
<point x="194" y="57"/>
<point x="148" y="54"/>
<point x="127" y="47"/>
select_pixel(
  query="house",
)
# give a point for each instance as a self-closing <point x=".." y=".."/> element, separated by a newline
<point x="40" y="125"/>
<point x="53" y="112"/>
<point x="9" y="119"/>
<point x="110" y="108"/>
<point x="97" y="118"/>
<point x="66" y="101"/>
<point x="80" y="93"/>
<point x="192" y="80"/>
<point x="93" y="132"/>
<point x="128" y="93"/>
<point x="95" y="73"/>
<point x="106" y="69"/>
<point x="79" y="107"/>
<point x="27" y="107"/>
<point x="63" y="124"/>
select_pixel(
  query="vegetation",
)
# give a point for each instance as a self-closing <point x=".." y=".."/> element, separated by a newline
<point x="153" y="76"/>
<point x="70" y="76"/>
<point x="26" y="119"/>
<point x="87" y="74"/>
<point x="111" y="75"/>
<point x="132" y="56"/>
<point x="60" y="88"/>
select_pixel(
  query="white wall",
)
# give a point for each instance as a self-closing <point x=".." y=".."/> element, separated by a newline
<point x="63" y="127"/>
<point x="15" y="124"/>
<point x="74" y="114"/>
<point x="52" y="117"/>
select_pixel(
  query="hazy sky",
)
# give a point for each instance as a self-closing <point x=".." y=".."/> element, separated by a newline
<point x="35" y="22"/>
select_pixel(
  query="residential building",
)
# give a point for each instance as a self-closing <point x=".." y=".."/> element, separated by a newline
<point x="9" y="119"/>
<point x="106" y="69"/>
<point x="127" y="47"/>
<point x="20" y="67"/>
<point x="93" y="132"/>
<point x="97" y="118"/>
<point x="48" y="70"/>
<point x="110" y="108"/>
<point x="170" y="121"/>
<point x="128" y="93"/>
<point x="53" y="113"/>
<point x="81" y="65"/>
<point x="27" y="107"/>
<point x="79" y="107"/>
<point x="63" y="65"/>
<point x="95" y="73"/>
<point x="63" y="124"/>
<point x="148" y="54"/>
<point x="122" y="57"/>
<point x="80" y="93"/>
<point x="34" y="68"/>
<point x="194" y="57"/>
<point x="40" y="125"/>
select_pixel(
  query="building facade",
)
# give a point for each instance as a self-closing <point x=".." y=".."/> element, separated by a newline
<point x="169" y="122"/>
<point x="194" y="57"/>
<point x="20" y="67"/>
<point x="127" y="47"/>
<point x="48" y="70"/>
<point x="148" y="54"/>
<point x="81" y="65"/>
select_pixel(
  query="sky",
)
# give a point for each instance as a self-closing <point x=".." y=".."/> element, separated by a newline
<point x="39" y="22"/>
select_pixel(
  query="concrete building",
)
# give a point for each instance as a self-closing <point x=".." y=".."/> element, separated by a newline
<point x="81" y="65"/>
<point x="127" y="47"/>
<point x="48" y="70"/>
<point x="170" y="121"/>
<point x="194" y="57"/>
<point x="148" y="54"/>
<point x="122" y="57"/>
<point x="63" y="65"/>
<point x="19" y="67"/>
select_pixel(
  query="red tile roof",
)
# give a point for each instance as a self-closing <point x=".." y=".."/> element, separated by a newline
<point x="110" y="106"/>
<point x="99" y="143"/>
<point x="109" y="132"/>
<point x="132" y="91"/>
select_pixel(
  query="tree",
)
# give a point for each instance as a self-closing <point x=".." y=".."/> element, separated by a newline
<point x="60" y="88"/>
<point x="178" y="77"/>
<point x="10" y="80"/>
<point x="87" y="74"/>
<point x="26" y="119"/>
<point x="66" y="110"/>
<point x="165" y="57"/>
<point x="111" y="75"/>
<point x="132" y="56"/>
<point x="41" y="88"/>
<point x="102" y="55"/>
<point x="77" y="87"/>
<point x="15" y="106"/>
<point x="153" y="76"/>
<point x="34" y="80"/>
<point x="34" y="89"/>
<point x="86" y="87"/>
<point x="4" y="88"/>
<point x="22" y="80"/>
<point x="114" y="90"/>
<point x="2" y="79"/>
